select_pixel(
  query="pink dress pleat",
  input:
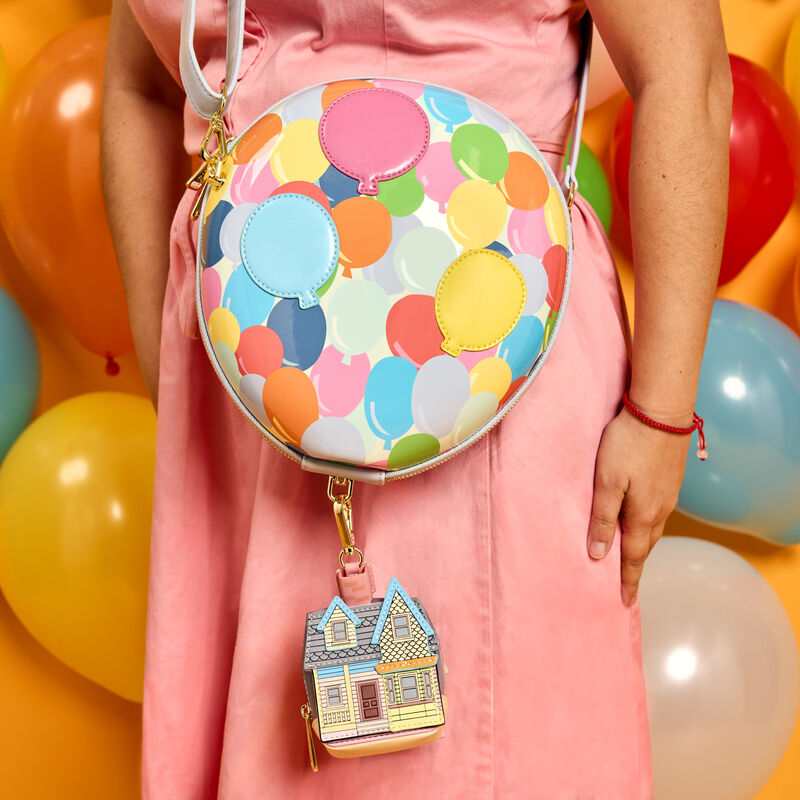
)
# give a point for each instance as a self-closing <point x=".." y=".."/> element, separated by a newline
<point x="545" y="686"/>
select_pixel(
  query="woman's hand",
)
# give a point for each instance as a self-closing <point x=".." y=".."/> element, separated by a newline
<point x="638" y="474"/>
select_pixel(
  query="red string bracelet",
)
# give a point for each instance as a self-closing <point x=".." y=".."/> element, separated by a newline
<point x="702" y="453"/>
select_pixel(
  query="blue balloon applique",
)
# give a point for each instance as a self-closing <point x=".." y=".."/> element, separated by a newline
<point x="290" y="247"/>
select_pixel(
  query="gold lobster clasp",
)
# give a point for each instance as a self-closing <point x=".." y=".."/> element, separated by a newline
<point x="209" y="173"/>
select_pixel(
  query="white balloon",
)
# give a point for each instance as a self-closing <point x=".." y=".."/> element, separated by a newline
<point x="535" y="280"/>
<point x="230" y="232"/>
<point x="440" y="390"/>
<point x="722" y="672"/>
<point x="334" y="438"/>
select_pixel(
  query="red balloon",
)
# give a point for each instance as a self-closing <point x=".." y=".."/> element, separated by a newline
<point x="51" y="204"/>
<point x="308" y="189"/>
<point x="260" y="351"/>
<point x="554" y="262"/>
<point x="412" y="331"/>
<point x="764" y="162"/>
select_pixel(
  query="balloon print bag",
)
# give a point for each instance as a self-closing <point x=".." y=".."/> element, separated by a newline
<point x="383" y="266"/>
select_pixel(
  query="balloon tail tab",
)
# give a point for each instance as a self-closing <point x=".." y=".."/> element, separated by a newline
<point x="368" y="187"/>
<point x="308" y="300"/>
<point x="112" y="367"/>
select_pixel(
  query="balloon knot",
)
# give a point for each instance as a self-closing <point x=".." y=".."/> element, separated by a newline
<point x="112" y="367"/>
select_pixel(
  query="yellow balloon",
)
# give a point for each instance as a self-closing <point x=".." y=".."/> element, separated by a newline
<point x="554" y="217"/>
<point x="476" y="412"/>
<point x="476" y="213"/>
<point x="223" y="327"/>
<point x="479" y="300"/>
<point x="298" y="155"/>
<point x="490" y="375"/>
<point x="791" y="64"/>
<point x="75" y="510"/>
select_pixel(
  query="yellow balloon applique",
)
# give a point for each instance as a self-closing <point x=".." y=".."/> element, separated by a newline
<point x="223" y="327"/>
<point x="554" y="217"/>
<point x="476" y="213"/>
<point x="479" y="300"/>
<point x="298" y="155"/>
<point x="490" y="375"/>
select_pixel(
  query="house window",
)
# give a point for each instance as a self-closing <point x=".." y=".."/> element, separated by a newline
<point x="339" y="632"/>
<point x="408" y="685"/>
<point x="428" y="691"/>
<point x="334" y="696"/>
<point x="390" y="690"/>
<point x="400" y="624"/>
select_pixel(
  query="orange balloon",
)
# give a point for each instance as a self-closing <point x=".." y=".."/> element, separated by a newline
<point x="52" y="206"/>
<point x="290" y="401"/>
<point x="365" y="231"/>
<point x="257" y="139"/>
<point x="524" y="185"/>
<point x="338" y="88"/>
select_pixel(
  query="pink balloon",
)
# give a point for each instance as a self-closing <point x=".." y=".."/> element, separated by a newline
<point x="340" y="387"/>
<point x="413" y="90"/>
<point x="210" y="290"/>
<point x="469" y="358"/>
<point x="374" y="134"/>
<point x="253" y="182"/>
<point x="438" y="174"/>
<point x="527" y="232"/>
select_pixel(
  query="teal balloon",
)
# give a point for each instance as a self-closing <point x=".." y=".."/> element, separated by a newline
<point x="749" y="398"/>
<point x="593" y="185"/>
<point x="447" y="107"/>
<point x="522" y="346"/>
<point x="402" y="195"/>
<point x="20" y="372"/>
<point x="479" y="152"/>
<point x="387" y="398"/>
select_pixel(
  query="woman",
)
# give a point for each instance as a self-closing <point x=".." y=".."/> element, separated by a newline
<point x="530" y="573"/>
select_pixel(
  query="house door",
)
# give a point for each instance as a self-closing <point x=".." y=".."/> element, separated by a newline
<point x="368" y="697"/>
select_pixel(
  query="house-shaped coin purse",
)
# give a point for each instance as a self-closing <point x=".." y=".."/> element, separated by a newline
<point x="373" y="675"/>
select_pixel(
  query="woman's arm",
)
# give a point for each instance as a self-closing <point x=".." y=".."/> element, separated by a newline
<point x="143" y="175"/>
<point x="672" y="57"/>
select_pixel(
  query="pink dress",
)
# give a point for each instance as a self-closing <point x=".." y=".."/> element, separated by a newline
<point x="545" y="686"/>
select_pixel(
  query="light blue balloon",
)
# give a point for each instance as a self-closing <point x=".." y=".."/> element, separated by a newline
<point x="447" y="107"/>
<point x="441" y="389"/>
<point x="20" y="371"/>
<point x="290" y="247"/>
<point x="521" y="347"/>
<point x="387" y="398"/>
<point x="749" y="398"/>
<point x="249" y="303"/>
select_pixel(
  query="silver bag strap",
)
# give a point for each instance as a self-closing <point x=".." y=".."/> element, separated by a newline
<point x="205" y="101"/>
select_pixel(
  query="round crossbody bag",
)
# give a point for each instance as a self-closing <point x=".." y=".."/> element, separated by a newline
<point x="383" y="267"/>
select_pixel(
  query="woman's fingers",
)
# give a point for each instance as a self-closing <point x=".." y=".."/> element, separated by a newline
<point x="608" y="495"/>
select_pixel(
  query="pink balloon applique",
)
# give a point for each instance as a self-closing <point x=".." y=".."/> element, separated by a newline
<point x="374" y="135"/>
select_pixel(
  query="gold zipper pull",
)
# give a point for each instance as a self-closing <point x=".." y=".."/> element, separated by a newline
<point x="305" y="712"/>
